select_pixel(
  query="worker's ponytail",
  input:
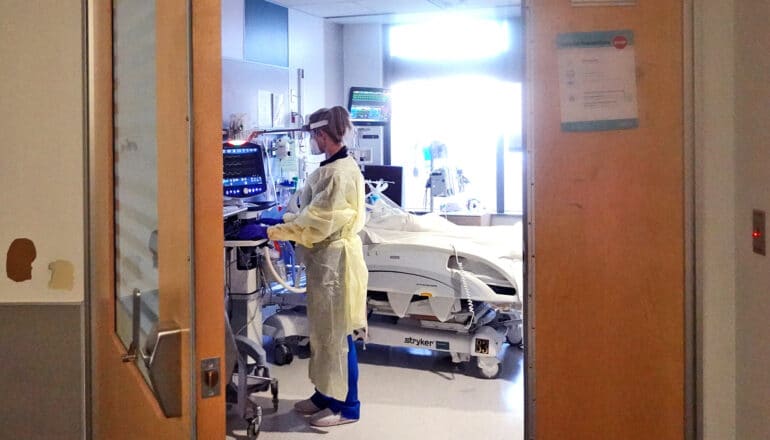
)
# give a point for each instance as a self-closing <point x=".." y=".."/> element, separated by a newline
<point x="339" y="122"/>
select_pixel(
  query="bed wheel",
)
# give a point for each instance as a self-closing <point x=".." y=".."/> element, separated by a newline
<point x="282" y="355"/>
<point x="488" y="367"/>
<point x="514" y="336"/>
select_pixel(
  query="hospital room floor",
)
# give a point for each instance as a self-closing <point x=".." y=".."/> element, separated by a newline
<point x="405" y="394"/>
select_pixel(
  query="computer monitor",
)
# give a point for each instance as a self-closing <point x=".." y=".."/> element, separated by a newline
<point x="246" y="174"/>
<point x="392" y="175"/>
<point x="369" y="105"/>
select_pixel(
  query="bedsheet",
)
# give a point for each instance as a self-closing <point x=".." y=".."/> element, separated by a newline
<point x="504" y="241"/>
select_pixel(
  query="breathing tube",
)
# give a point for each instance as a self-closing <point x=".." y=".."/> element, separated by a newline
<point x="278" y="278"/>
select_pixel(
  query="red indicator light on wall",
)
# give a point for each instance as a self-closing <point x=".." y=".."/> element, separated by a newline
<point x="758" y="232"/>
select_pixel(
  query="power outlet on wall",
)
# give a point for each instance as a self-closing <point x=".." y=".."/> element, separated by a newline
<point x="758" y="232"/>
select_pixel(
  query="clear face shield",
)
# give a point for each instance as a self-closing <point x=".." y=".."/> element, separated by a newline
<point x="348" y="139"/>
<point x="312" y="129"/>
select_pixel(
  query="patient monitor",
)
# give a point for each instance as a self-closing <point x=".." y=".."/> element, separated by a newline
<point x="370" y="110"/>
<point x="248" y="189"/>
<point x="246" y="174"/>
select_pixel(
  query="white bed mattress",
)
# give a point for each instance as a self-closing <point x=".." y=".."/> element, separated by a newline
<point x="435" y="231"/>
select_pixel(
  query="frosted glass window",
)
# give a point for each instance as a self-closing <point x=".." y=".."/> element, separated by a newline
<point x="135" y="162"/>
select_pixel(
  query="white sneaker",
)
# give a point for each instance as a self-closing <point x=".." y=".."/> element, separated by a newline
<point x="328" y="418"/>
<point x="306" y="407"/>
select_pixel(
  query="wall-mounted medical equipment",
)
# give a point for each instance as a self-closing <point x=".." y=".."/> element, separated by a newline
<point x="369" y="105"/>
<point x="369" y="147"/>
<point x="370" y="113"/>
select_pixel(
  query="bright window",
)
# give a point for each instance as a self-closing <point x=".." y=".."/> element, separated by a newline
<point x="477" y="118"/>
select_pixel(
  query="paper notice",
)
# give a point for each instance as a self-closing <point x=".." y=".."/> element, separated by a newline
<point x="597" y="81"/>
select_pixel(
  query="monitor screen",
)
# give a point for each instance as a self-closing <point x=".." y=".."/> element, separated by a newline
<point x="244" y="171"/>
<point x="369" y="104"/>
<point x="392" y="175"/>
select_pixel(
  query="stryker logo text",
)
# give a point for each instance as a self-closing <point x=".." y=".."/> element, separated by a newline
<point x="419" y="342"/>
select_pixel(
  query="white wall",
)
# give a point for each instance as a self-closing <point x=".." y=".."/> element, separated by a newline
<point x="314" y="45"/>
<point x="233" y="24"/>
<point x="715" y="217"/>
<point x="306" y="51"/>
<point x="241" y="83"/>
<point x="42" y="143"/>
<point x="752" y="92"/>
<point x="334" y="63"/>
<point x="42" y="199"/>
<point x="363" y="63"/>
<point x="733" y="178"/>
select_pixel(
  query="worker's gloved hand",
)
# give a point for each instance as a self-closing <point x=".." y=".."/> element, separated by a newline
<point x="253" y="232"/>
<point x="271" y="221"/>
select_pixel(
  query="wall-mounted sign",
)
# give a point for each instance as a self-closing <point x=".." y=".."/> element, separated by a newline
<point x="597" y="80"/>
<point x="603" y="2"/>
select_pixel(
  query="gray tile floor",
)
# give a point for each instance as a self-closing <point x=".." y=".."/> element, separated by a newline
<point x="405" y="394"/>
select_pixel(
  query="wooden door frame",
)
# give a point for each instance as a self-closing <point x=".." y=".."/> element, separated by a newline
<point x="692" y="402"/>
<point x="207" y="305"/>
<point x="208" y="239"/>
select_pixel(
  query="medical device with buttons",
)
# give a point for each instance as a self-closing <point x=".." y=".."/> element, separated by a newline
<point x="246" y="175"/>
<point x="370" y="110"/>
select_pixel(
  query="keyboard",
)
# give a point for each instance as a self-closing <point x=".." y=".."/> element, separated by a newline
<point x="229" y="210"/>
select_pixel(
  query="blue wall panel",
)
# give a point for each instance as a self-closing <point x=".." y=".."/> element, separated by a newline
<point x="266" y="38"/>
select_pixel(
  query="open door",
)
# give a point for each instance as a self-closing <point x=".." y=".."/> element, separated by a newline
<point x="607" y="308"/>
<point x="156" y="296"/>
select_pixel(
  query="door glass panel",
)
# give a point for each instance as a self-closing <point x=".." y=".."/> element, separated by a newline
<point x="135" y="164"/>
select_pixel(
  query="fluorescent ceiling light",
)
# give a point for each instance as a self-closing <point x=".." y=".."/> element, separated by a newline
<point x="450" y="38"/>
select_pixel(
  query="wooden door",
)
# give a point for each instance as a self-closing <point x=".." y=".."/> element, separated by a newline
<point x="609" y="244"/>
<point x="155" y="227"/>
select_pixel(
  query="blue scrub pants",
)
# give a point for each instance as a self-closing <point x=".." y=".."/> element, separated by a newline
<point x="351" y="407"/>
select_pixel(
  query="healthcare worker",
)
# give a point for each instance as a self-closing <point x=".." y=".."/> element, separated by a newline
<point x="331" y="215"/>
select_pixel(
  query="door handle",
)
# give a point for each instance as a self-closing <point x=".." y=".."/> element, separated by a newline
<point x="136" y="308"/>
<point x="162" y="359"/>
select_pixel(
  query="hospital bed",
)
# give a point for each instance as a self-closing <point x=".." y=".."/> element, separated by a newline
<point x="432" y="284"/>
<point x="454" y="288"/>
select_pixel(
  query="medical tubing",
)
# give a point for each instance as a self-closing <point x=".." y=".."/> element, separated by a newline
<point x="466" y="290"/>
<point x="290" y="255"/>
<point x="274" y="273"/>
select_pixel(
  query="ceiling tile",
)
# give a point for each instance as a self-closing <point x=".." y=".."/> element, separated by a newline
<point x="334" y="9"/>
